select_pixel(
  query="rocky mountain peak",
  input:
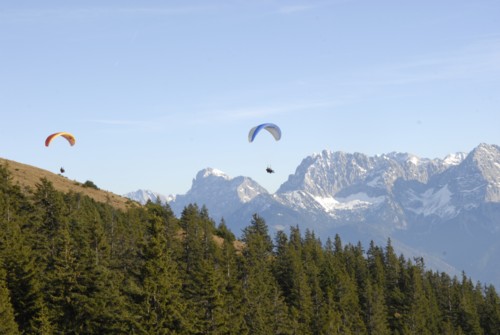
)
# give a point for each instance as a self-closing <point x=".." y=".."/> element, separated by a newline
<point x="454" y="159"/>
<point x="326" y="173"/>
<point x="483" y="163"/>
<point x="211" y="172"/>
<point x="485" y="153"/>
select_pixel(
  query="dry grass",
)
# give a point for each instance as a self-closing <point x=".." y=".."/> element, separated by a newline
<point x="27" y="176"/>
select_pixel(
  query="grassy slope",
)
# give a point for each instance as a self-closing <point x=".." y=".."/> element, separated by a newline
<point x="28" y="176"/>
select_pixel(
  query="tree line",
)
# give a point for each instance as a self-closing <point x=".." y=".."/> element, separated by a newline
<point x="71" y="265"/>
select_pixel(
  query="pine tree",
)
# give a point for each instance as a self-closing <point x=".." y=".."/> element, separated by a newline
<point x="264" y="309"/>
<point x="224" y="232"/>
<point x="394" y="296"/>
<point x="313" y="259"/>
<point x="25" y="286"/>
<point x="489" y="311"/>
<point x="22" y="273"/>
<point x="419" y="319"/>
<point x="51" y="217"/>
<point x="329" y="314"/>
<point x="467" y="313"/>
<point x="162" y="309"/>
<point x="375" y="260"/>
<point x="203" y="282"/>
<point x="347" y="295"/>
<point x="209" y="300"/>
<point x="101" y="308"/>
<point x="298" y="298"/>
<point x="281" y="266"/>
<point x="8" y="324"/>
<point x="63" y="287"/>
<point x="228" y="262"/>
<point x="442" y="288"/>
<point x="192" y="249"/>
<point x="375" y="308"/>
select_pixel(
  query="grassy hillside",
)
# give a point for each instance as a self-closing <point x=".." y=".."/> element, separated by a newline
<point x="28" y="176"/>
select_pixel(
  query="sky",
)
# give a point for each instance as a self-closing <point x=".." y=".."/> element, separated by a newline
<point x="155" y="91"/>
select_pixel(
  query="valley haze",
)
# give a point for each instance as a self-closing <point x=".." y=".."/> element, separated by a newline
<point x="444" y="210"/>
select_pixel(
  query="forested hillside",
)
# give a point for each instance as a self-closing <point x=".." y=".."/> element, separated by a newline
<point x="71" y="265"/>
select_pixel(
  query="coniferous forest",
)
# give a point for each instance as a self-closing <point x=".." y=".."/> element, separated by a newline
<point x="71" y="265"/>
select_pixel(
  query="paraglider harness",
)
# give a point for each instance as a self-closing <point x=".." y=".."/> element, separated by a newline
<point x="269" y="170"/>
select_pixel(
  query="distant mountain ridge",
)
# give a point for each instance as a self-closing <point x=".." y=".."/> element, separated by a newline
<point x="143" y="196"/>
<point x="445" y="209"/>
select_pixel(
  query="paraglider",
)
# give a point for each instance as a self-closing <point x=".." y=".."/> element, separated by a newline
<point x="270" y="127"/>
<point x="71" y="139"/>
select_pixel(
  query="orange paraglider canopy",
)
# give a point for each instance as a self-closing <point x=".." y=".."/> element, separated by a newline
<point x="71" y="139"/>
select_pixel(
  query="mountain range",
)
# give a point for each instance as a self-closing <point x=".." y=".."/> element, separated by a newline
<point x="444" y="210"/>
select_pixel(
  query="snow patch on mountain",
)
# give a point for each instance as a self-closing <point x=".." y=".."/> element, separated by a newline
<point x="434" y="202"/>
<point x="214" y="172"/>
<point x="328" y="203"/>
<point x="295" y="199"/>
<point x="414" y="160"/>
<point x="352" y="202"/>
<point x="360" y="200"/>
<point x="454" y="159"/>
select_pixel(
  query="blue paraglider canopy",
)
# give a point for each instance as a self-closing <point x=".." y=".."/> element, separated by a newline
<point x="270" y="127"/>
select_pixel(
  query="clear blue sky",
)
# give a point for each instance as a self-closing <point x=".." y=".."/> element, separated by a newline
<point x="155" y="91"/>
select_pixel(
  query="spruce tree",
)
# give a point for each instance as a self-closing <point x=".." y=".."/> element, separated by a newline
<point x="203" y="282"/>
<point x="419" y="319"/>
<point x="313" y="259"/>
<point x="375" y="309"/>
<point x="24" y="283"/>
<point x="22" y="273"/>
<point x="299" y="298"/>
<point x="331" y="315"/>
<point x="63" y="288"/>
<point x="228" y="262"/>
<point x="162" y="308"/>
<point x="51" y="216"/>
<point x="394" y="295"/>
<point x="489" y="311"/>
<point x="224" y="232"/>
<point x="101" y="306"/>
<point x="263" y="306"/>
<point x="467" y="308"/>
<point x="8" y="324"/>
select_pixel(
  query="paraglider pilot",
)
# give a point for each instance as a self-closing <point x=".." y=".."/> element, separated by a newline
<point x="269" y="170"/>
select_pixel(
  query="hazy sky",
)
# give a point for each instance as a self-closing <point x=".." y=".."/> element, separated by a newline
<point x="155" y="91"/>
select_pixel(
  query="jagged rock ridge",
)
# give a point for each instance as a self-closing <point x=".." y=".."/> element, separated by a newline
<point x="446" y="209"/>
